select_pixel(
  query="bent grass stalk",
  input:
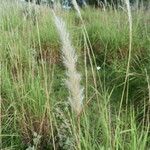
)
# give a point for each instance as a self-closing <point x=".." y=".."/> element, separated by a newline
<point x="90" y="51"/>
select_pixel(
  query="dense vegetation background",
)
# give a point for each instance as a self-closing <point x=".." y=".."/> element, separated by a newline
<point x="97" y="2"/>
<point x="35" y="111"/>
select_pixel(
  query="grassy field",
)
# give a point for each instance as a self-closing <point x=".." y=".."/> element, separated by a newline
<point x="107" y="50"/>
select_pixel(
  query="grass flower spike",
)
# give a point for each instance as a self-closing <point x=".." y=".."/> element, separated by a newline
<point x="70" y="59"/>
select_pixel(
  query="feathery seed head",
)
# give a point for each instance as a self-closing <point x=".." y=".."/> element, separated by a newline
<point x="69" y="60"/>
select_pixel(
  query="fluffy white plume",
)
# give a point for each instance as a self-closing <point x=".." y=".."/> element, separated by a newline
<point x="70" y="59"/>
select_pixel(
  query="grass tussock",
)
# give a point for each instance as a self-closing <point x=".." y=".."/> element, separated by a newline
<point x="38" y="54"/>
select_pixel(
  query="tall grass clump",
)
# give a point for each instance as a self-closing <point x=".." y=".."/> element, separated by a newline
<point x="39" y="50"/>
